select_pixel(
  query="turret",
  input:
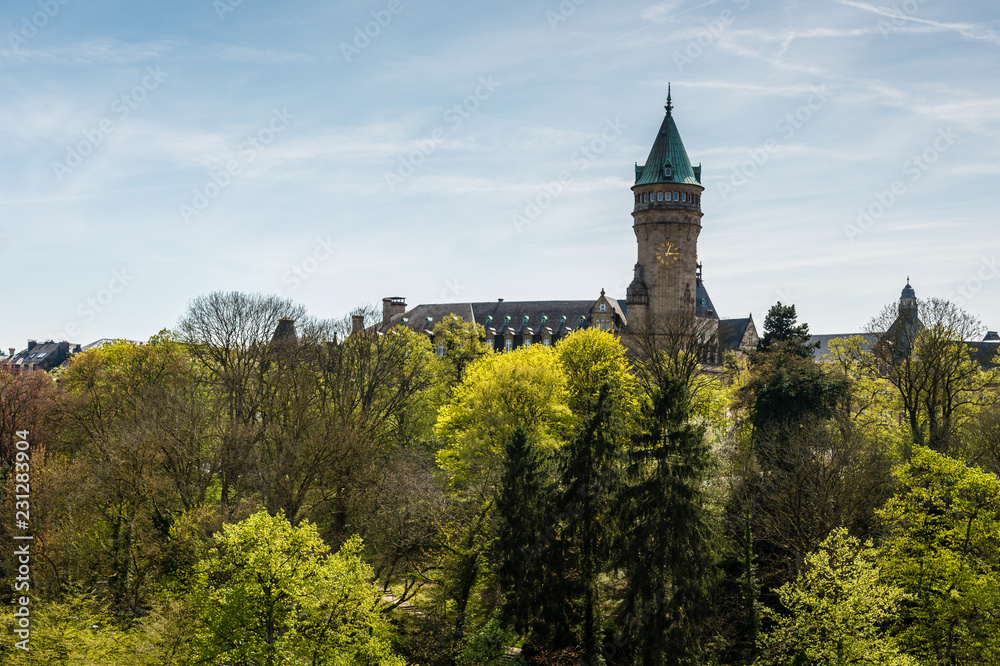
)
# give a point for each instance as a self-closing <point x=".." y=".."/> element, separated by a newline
<point x="667" y="221"/>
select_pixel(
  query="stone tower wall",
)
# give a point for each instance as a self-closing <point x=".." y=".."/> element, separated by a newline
<point x="667" y="235"/>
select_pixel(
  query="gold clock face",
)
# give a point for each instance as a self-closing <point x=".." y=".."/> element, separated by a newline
<point x="667" y="253"/>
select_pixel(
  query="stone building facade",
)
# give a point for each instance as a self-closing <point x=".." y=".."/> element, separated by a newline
<point x="666" y="220"/>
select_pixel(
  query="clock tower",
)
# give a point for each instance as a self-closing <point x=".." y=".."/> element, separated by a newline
<point x="667" y="220"/>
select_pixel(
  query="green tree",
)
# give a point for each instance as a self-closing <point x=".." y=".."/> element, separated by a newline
<point x="269" y="593"/>
<point x="870" y="405"/>
<point x="781" y="330"/>
<point x="838" y="610"/>
<point x="595" y="361"/>
<point x="590" y="467"/>
<point x="139" y="449"/>
<point x="667" y="550"/>
<point x="502" y="393"/>
<point x="229" y="336"/>
<point x="459" y="344"/>
<point x="786" y="387"/>
<point x="533" y="570"/>
<point x="929" y="364"/>
<point x="750" y="593"/>
<point x="944" y="551"/>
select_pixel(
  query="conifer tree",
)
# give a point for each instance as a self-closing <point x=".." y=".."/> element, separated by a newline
<point x="534" y="568"/>
<point x="668" y="553"/>
<point x="750" y="592"/>
<point x="588" y="470"/>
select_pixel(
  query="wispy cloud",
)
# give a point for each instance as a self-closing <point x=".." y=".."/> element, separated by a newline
<point x="974" y="31"/>
<point x="92" y="52"/>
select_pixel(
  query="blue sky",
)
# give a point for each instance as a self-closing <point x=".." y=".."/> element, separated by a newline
<point x="151" y="152"/>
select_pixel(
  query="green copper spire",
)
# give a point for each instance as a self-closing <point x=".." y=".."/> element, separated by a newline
<point x="668" y="162"/>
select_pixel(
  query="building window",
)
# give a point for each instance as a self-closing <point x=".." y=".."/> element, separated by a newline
<point x="441" y="350"/>
<point x="659" y="196"/>
<point x="546" y="342"/>
<point x="677" y="196"/>
<point x="684" y="197"/>
<point x="508" y="344"/>
<point x="527" y="343"/>
<point x="602" y="307"/>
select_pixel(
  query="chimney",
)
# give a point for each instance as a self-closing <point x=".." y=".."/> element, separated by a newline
<point x="31" y="344"/>
<point x="357" y="323"/>
<point x="392" y="306"/>
<point x="12" y="351"/>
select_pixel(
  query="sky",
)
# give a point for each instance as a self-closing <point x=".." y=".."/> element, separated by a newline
<point x="336" y="153"/>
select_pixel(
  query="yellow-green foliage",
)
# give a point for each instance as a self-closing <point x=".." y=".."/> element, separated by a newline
<point x="944" y="551"/>
<point x="837" y="610"/>
<point x="874" y="406"/>
<point x="594" y="359"/>
<point x="526" y="388"/>
<point x="270" y="593"/>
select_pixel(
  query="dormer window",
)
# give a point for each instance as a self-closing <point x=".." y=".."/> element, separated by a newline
<point x="603" y="307"/>
<point x="668" y="172"/>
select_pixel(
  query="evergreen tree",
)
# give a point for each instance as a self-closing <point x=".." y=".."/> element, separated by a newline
<point x="534" y="569"/>
<point x="780" y="330"/>
<point x="750" y="592"/>
<point x="588" y="469"/>
<point x="668" y="551"/>
<point x="786" y="387"/>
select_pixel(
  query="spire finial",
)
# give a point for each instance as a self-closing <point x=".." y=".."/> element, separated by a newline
<point x="670" y="106"/>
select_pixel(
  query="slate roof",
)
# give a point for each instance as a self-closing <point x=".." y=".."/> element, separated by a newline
<point x="518" y="315"/>
<point x="703" y="302"/>
<point x="984" y="353"/>
<point x="824" y="342"/>
<point x="667" y="150"/>
<point x="731" y="332"/>
<point x="40" y="356"/>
